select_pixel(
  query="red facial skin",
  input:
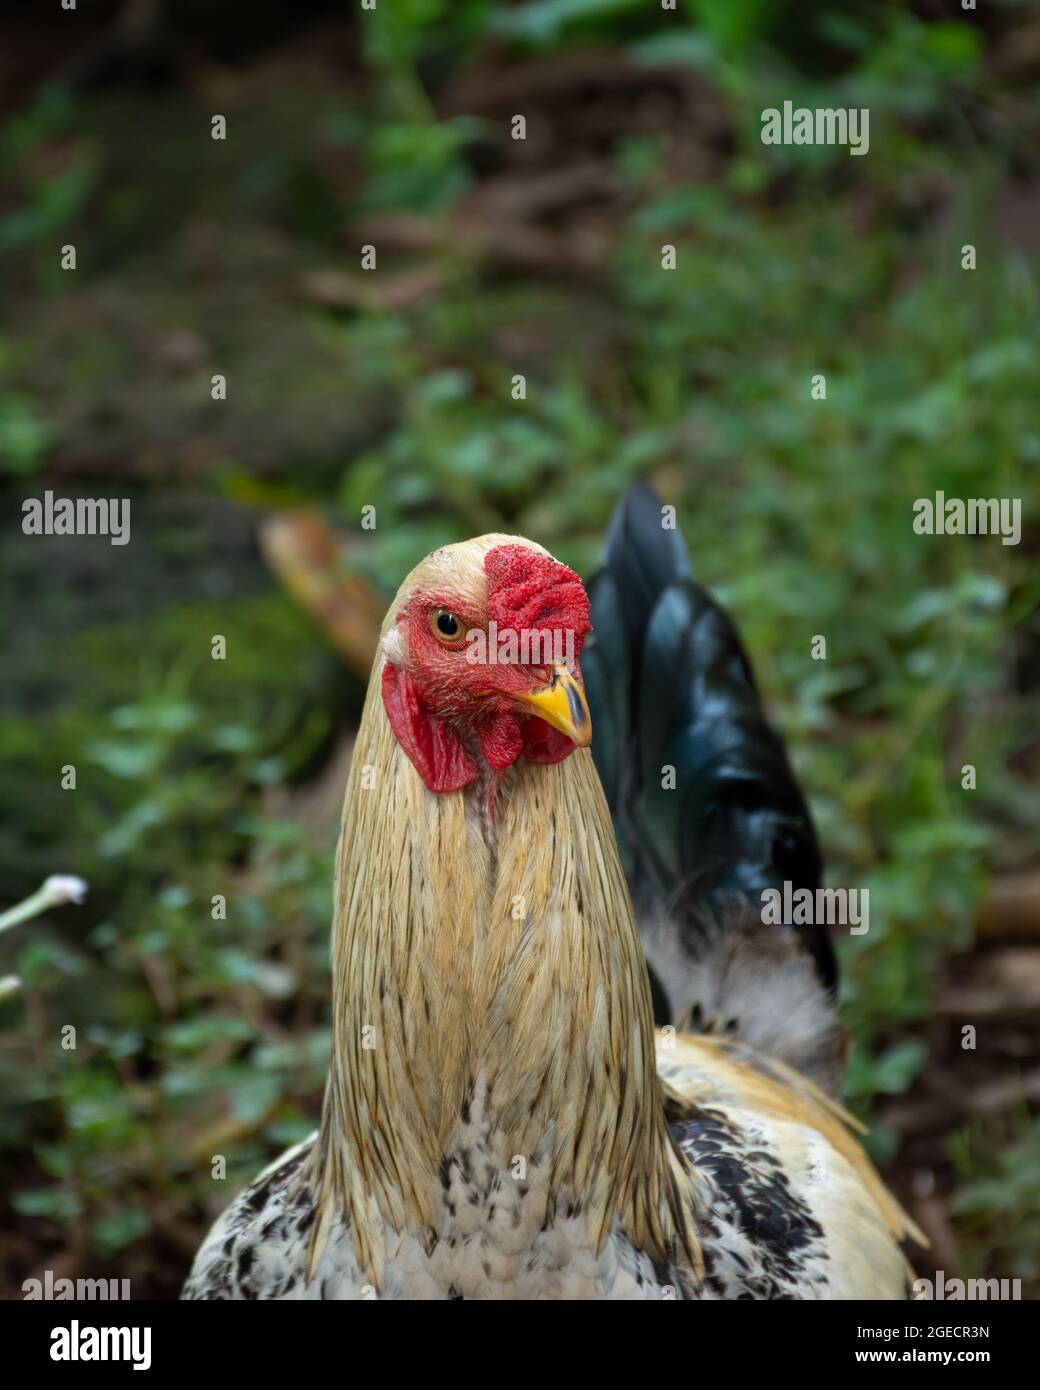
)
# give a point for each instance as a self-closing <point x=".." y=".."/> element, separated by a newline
<point x="446" y="705"/>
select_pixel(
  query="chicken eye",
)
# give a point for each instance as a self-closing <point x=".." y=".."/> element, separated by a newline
<point x="446" y="625"/>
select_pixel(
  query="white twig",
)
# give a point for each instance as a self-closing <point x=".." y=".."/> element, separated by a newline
<point x="54" y="892"/>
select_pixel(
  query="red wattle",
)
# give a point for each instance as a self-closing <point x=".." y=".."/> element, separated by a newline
<point x="501" y="742"/>
<point x="544" y="744"/>
<point x="434" y="750"/>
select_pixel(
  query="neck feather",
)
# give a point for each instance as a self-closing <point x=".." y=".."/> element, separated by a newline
<point x="491" y="966"/>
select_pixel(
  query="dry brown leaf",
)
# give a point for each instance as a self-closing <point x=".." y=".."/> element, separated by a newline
<point x="306" y="554"/>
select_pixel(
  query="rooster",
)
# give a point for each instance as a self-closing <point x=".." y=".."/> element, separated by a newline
<point x="500" y="1119"/>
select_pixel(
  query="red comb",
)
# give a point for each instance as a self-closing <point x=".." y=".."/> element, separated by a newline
<point x="532" y="592"/>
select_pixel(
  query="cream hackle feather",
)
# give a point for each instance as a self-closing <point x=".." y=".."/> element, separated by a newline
<point x="498" y="957"/>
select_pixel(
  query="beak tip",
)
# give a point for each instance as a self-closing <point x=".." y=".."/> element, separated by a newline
<point x="563" y="706"/>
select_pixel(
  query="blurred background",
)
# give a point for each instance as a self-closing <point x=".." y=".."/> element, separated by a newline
<point x="392" y="389"/>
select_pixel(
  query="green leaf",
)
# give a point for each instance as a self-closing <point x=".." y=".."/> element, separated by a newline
<point x="254" y="1096"/>
<point x="24" y="438"/>
<point x="59" y="1203"/>
<point x="127" y="760"/>
<point x="894" y="1071"/>
<point x="114" y="1233"/>
<point x="542" y="22"/>
<point x="955" y="44"/>
<point x="198" y="1033"/>
<point x="733" y="24"/>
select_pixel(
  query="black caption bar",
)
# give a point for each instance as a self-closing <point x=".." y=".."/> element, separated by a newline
<point x="142" y="1339"/>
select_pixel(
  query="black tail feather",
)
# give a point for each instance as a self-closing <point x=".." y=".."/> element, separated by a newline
<point x="705" y="805"/>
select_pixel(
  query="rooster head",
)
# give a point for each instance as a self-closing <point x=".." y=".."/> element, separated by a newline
<point x="481" y="654"/>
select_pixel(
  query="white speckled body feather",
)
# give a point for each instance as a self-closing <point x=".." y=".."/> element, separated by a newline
<point x="783" y="1215"/>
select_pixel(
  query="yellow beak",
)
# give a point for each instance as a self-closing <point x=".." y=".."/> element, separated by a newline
<point x="562" y="704"/>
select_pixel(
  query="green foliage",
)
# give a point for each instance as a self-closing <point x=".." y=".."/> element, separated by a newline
<point x="397" y="36"/>
<point x="734" y="24"/>
<point x="998" y="1205"/>
<point x="24" y="438"/>
<point x="175" y="1010"/>
<point x="542" y="23"/>
<point x="417" y="165"/>
<point x="51" y="201"/>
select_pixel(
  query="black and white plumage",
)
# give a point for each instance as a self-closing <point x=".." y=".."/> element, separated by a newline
<point x="556" y="1165"/>
<point x="670" y="686"/>
<point x="786" y="1215"/>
